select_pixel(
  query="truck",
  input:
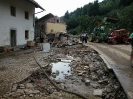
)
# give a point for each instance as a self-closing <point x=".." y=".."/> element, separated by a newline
<point x="100" y="33"/>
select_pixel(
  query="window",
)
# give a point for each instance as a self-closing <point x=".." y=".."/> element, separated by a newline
<point x="13" y="11"/>
<point x="26" y="34"/>
<point x="58" y="20"/>
<point x="26" y="15"/>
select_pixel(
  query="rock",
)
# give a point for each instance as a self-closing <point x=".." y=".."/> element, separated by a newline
<point x="103" y="81"/>
<point x="20" y="91"/>
<point x="29" y="91"/>
<point x="117" y="87"/>
<point x="31" y="95"/>
<point x="97" y="92"/>
<point x="50" y="91"/>
<point x="86" y="66"/>
<point x="16" y="95"/>
<point x="84" y="72"/>
<point x="34" y="91"/>
<point x="108" y="89"/>
<point x="78" y="71"/>
<point x="83" y="79"/>
<point x="92" y="68"/>
<point x="94" y="85"/>
<point x="21" y="86"/>
<point x="26" y="91"/>
<point x="14" y="88"/>
<point x="94" y="78"/>
<point x="87" y="82"/>
<point x="57" y="72"/>
<point x="57" y="81"/>
<point x="79" y="74"/>
<point x="54" y="75"/>
<point x="100" y="72"/>
<point x="49" y="69"/>
<point x="29" y="85"/>
<point x="62" y="86"/>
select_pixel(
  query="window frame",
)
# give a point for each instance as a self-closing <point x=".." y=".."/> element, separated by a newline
<point x="26" y="34"/>
<point x="13" y="11"/>
<point x="27" y="15"/>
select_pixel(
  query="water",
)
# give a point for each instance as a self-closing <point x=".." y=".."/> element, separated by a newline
<point x="61" y="69"/>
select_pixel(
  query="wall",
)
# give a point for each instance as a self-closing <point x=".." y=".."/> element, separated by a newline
<point x="54" y="20"/>
<point x="55" y="27"/>
<point x="19" y="23"/>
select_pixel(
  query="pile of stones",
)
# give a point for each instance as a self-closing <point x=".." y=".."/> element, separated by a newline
<point x="86" y="65"/>
<point x="38" y="87"/>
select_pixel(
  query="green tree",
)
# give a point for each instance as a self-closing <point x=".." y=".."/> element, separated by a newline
<point x="85" y="18"/>
<point x="36" y="18"/>
<point x="66" y="16"/>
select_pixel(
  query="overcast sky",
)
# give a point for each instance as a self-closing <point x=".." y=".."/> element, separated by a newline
<point x="59" y="7"/>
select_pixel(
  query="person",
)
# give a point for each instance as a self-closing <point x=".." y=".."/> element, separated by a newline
<point x="131" y="39"/>
<point x="86" y="37"/>
<point x="81" y="37"/>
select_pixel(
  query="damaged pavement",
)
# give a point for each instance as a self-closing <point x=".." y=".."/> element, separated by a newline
<point x="35" y="74"/>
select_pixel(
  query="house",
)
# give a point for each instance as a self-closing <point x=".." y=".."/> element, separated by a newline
<point x="49" y="24"/>
<point x="40" y="24"/>
<point x="17" y="22"/>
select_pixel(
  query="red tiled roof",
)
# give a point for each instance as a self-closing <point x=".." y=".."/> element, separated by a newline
<point x="36" y="4"/>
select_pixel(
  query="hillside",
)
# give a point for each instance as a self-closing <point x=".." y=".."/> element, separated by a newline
<point x="85" y="18"/>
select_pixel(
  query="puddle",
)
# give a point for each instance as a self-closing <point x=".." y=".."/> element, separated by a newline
<point x="61" y="69"/>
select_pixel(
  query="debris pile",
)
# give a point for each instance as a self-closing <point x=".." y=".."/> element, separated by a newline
<point x="36" y="86"/>
<point x="89" y="76"/>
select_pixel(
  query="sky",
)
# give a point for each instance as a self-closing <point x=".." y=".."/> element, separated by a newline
<point x="59" y="7"/>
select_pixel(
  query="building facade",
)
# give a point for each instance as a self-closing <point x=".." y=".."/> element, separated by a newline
<point x="49" y="24"/>
<point x="55" y="24"/>
<point x="17" y="22"/>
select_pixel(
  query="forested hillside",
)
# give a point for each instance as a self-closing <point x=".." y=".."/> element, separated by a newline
<point x="84" y="19"/>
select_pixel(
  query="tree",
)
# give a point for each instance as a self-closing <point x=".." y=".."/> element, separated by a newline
<point x="36" y="18"/>
<point x="86" y="23"/>
<point x="125" y="2"/>
<point x="66" y="16"/>
<point x="95" y="9"/>
<point x="85" y="18"/>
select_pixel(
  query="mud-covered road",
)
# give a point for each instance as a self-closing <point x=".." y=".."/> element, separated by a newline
<point x="116" y="54"/>
<point x="118" y="58"/>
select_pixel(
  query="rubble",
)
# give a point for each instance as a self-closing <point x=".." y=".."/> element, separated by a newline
<point x="97" y="92"/>
<point x="88" y="75"/>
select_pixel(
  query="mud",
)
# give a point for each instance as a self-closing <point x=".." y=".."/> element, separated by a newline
<point x="87" y="75"/>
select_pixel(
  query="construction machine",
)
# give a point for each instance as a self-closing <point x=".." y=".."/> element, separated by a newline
<point x="100" y="33"/>
<point x="118" y="36"/>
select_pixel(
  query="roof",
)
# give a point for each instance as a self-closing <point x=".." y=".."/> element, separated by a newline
<point x="45" y="18"/>
<point x="36" y="4"/>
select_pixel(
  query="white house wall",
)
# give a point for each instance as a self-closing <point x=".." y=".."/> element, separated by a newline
<point x="19" y="23"/>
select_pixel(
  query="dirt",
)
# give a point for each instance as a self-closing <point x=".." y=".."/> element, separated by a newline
<point x="118" y="56"/>
<point x="20" y="68"/>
